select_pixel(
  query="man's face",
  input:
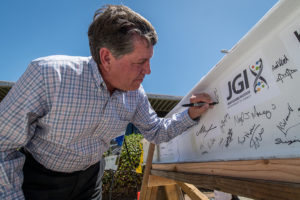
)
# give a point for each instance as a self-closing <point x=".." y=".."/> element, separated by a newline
<point x="127" y="73"/>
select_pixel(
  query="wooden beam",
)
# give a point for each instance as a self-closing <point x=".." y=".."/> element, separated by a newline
<point x="286" y="170"/>
<point x="147" y="172"/>
<point x="173" y="192"/>
<point x="151" y="193"/>
<point x="159" y="181"/>
<point x="252" y="188"/>
<point x="192" y="191"/>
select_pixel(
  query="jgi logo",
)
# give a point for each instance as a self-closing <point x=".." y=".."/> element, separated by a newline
<point x="238" y="85"/>
<point x="240" y="82"/>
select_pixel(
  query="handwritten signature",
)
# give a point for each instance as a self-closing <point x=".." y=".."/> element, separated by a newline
<point x="229" y="138"/>
<point x="243" y="116"/>
<point x="211" y="143"/>
<point x="224" y="121"/>
<point x="289" y="142"/>
<point x="280" y="62"/>
<point x="255" y="135"/>
<point x="221" y="141"/>
<point x="283" y="125"/>
<point x="216" y="94"/>
<point x="204" y="130"/>
<point x="288" y="73"/>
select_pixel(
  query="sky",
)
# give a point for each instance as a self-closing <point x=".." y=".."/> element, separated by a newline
<point x="191" y="34"/>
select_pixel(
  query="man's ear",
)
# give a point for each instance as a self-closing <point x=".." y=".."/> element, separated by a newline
<point x="105" y="57"/>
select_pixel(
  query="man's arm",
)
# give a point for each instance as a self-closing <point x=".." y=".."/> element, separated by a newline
<point x="18" y="113"/>
<point x="158" y="130"/>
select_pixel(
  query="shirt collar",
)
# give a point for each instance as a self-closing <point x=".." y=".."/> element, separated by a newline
<point x="96" y="74"/>
<point x="98" y="78"/>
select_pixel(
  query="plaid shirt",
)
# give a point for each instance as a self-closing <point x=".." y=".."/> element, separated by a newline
<point x="61" y="111"/>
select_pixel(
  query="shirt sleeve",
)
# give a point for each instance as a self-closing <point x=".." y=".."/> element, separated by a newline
<point x="156" y="129"/>
<point x="19" y="111"/>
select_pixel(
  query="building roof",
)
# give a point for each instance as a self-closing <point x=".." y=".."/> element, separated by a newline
<point x="162" y="104"/>
<point x="4" y="88"/>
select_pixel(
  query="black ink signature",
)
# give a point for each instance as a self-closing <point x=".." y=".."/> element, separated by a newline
<point x="266" y="113"/>
<point x="283" y="125"/>
<point x="243" y="116"/>
<point x="289" y="142"/>
<point x="287" y="130"/>
<point x="255" y="137"/>
<point x="211" y="143"/>
<point x="216" y="95"/>
<point x="203" y="130"/>
<point x="288" y="73"/>
<point x="221" y="141"/>
<point x="229" y="138"/>
<point x="280" y="62"/>
<point x="224" y="121"/>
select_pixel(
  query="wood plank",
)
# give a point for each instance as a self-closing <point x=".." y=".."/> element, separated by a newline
<point x="192" y="191"/>
<point x="287" y="170"/>
<point x="252" y="188"/>
<point x="147" y="171"/>
<point x="147" y="193"/>
<point x="159" y="181"/>
<point x="161" y="194"/>
<point x="173" y="192"/>
<point x="154" y="191"/>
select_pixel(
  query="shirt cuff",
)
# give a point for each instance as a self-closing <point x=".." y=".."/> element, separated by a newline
<point x="187" y="120"/>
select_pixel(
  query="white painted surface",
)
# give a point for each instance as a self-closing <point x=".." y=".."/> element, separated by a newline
<point x="254" y="123"/>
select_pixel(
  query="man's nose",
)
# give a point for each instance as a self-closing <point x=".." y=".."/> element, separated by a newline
<point x="146" y="68"/>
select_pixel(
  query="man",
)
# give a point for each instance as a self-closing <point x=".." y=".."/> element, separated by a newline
<point x="63" y="112"/>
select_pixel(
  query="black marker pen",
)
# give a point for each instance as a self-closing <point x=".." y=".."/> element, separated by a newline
<point x="199" y="104"/>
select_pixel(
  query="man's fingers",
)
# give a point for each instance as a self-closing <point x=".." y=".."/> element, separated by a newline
<point x="202" y="109"/>
<point x="203" y="97"/>
<point x="195" y="112"/>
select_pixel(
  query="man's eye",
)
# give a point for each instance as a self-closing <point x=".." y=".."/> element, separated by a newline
<point x="141" y="63"/>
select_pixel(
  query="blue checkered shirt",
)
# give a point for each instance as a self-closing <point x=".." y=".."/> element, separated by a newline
<point x="61" y="111"/>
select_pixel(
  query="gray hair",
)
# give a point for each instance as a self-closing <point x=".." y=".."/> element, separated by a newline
<point x="114" y="26"/>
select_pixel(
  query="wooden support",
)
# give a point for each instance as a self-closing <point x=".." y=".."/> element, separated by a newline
<point x="252" y="188"/>
<point x="149" y="189"/>
<point x="159" y="181"/>
<point x="284" y="170"/>
<point x="151" y="193"/>
<point x="192" y="191"/>
<point x="173" y="192"/>
<point x="259" y="179"/>
<point x="147" y="172"/>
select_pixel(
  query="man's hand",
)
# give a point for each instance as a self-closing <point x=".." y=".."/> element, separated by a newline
<point x="196" y="112"/>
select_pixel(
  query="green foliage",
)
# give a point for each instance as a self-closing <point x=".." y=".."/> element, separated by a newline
<point x="126" y="180"/>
